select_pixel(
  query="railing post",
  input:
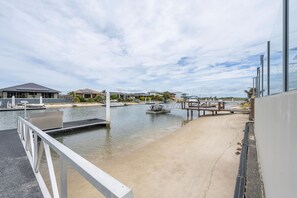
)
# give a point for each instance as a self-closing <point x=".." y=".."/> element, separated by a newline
<point x="30" y="134"/>
<point x="40" y="153"/>
<point x="258" y="82"/>
<point x="35" y="150"/>
<point x="27" y="138"/>
<point x="51" y="170"/>
<point x="268" y="68"/>
<point x="23" y="131"/>
<point x="18" y="125"/>
<point x="262" y="72"/>
<point x="285" y="45"/>
<point x="63" y="178"/>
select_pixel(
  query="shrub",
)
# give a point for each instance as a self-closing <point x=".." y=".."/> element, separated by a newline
<point x="76" y="99"/>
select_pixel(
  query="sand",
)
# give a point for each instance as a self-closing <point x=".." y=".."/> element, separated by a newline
<point x="197" y="160"/>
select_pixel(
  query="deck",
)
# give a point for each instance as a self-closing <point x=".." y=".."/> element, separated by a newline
<point x="213" y="107"/>
<point x="17" y="177"/>
<point x="216" y="109"/>
<point x="80" y="124"/>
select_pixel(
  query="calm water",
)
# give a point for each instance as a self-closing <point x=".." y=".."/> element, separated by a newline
<point x="130" y="128"/>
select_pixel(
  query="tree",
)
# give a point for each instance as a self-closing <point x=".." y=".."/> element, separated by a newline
<point x="113" y="96"/>
<point x="167" y="95"/>
<point x="71" y="94"/>
<point x="250" y="92"/>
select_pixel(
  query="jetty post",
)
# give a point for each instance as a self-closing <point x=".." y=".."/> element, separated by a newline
<point x="107" y="104"/>
<point x="13" y="101"/>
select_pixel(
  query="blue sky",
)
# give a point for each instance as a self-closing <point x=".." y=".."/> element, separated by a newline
<point x="207" y="48"/>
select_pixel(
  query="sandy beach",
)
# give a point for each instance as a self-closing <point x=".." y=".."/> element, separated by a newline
<point x="197" y="160"/>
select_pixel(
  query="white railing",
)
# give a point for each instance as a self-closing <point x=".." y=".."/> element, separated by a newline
<point x="37" y="142"/>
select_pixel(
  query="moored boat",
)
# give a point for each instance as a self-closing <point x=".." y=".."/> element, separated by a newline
<point x="157" y="109"/>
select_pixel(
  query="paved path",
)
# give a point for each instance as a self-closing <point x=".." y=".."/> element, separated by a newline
<point x="16" y="175"/>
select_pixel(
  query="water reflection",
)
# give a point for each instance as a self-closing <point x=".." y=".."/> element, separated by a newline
<point x="108" y="144"/>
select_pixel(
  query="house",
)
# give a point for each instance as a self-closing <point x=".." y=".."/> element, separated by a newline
<point x="87" y="93"/>
<point x="140" y="95"/>
<point x="178" y="95"/>
<point x="28" y="90"/>
<point x="154" y="93"/>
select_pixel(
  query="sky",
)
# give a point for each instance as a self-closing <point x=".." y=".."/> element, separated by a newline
<point x="204" y="48"/>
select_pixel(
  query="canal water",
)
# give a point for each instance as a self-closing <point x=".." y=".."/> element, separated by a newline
<point x="130" y="128"/>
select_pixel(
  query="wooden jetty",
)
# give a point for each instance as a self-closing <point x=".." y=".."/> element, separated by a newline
<point x="210" y="106"/>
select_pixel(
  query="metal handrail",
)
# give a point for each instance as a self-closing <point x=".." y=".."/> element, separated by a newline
<point x="103" y="182"/>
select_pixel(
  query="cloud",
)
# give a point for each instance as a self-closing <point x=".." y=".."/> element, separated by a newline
<point x="199" y="47"/>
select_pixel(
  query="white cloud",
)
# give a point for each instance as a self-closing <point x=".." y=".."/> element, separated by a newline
<point x="134" y="45"/>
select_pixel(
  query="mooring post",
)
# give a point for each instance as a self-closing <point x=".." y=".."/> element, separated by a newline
<point x="191" y="114"/>
<point x="107" y="107"/>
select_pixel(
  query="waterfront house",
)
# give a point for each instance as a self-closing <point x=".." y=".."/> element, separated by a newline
<point x="28" y="90"/>
<point x="178" y="95"/>
<point x="140" y="95"/>
<point x="154" y="93"/>
<point x="120" y="95"/>
<point x="87" y="93"/>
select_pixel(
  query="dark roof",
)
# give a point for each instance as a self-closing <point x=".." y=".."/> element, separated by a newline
<point x="140" y="94"/>
<point x="30" y="87"/>
<point x="117" y="92"/>
<point x="86" y="91"/>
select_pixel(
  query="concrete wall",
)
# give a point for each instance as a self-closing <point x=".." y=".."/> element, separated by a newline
<point x="276" y="136"/>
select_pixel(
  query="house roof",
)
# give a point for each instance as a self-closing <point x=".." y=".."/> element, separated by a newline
<point x="86" y="91"/>
<point x="141" y="94"/>
<point x="30" y="87"/>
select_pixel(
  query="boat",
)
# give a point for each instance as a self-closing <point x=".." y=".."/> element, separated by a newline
<point x="116" y="104"/>
<point x="157" y="109"/>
